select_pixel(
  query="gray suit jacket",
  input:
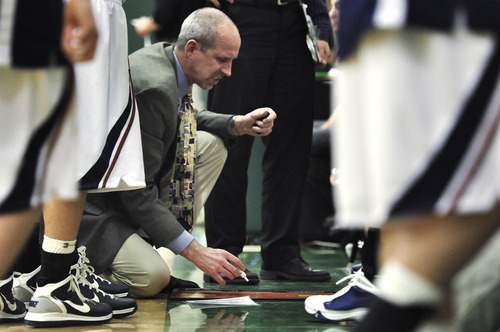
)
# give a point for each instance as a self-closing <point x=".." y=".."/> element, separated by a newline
<point x="110" y="218"/>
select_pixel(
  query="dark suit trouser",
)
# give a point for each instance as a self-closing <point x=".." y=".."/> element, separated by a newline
<point x="274" y="68"/>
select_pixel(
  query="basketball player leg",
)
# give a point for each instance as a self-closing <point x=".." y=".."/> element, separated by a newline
<point x="421" y="256"/>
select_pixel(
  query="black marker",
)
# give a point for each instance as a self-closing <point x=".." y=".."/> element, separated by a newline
<point x="265" y="116"/>
<point x="261" y="119"/>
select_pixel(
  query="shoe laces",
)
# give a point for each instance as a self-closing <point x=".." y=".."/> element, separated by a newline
<point x="83" y="270"/>
<point x="83" y="266"/>
<point x="85" y="263"/>
<point x="358" y="279"/>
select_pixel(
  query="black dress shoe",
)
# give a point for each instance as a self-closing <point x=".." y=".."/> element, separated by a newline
<point x="295" y="270"/>
<point x="179" y="284"/>
<point x="253" y="279"/>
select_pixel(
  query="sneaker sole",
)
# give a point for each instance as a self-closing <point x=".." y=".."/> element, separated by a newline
<point x="4" y="317"/>
<point x="276" y="275"/>
<point x="338" y="316"/>
<point x="120" y="313"/>
<point x="60" y="319"/>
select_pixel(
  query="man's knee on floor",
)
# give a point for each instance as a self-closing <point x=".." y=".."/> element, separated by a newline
<point x="150" y="282"/>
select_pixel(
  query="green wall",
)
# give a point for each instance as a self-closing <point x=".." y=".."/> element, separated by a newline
<point x="254" y="192"/>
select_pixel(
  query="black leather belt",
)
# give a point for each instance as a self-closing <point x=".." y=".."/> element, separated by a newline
<point x="268" y="3"/>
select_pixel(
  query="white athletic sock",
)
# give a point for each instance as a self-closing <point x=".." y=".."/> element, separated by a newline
<point x="58" y="246"/>
<point x="403" y="287"/>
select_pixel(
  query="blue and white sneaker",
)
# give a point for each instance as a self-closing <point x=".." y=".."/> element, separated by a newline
<point x="349" y="303"/>
<point x="11" y="309"/>
<point x="122" y="306"/>
<point x="87" y="271"/>
<point x="356" y="267"/>
<point x="62" y="304"/>
<point x="25" y="285"/>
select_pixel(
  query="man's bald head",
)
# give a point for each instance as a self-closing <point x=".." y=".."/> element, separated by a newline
<point x="204" y="25"/>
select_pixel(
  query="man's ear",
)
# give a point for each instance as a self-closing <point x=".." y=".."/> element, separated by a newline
<point x="191" y="46"/>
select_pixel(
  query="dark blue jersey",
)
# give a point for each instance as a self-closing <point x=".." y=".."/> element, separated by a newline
<point x="356" y="17"/>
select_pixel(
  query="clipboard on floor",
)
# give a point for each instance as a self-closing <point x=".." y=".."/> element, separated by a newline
<point x="263" y="294"/>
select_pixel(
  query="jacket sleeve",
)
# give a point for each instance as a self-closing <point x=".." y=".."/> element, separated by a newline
<point x="215" y="123"/>
<point x="318" y="11"/>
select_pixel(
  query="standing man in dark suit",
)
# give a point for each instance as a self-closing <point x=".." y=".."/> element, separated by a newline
<point x="162" y="76"/>
<point x="167" y="18"/>
<point x="274" y="68"/>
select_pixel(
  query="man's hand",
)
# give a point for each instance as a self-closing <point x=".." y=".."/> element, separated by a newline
<point x="145" y="25"/>
<point x="259" y="122"/>
<point x="79" y="38"/>
<point x="213" y="261"/>
<point x="231" y="323"/>
<point x="324" y="52"/>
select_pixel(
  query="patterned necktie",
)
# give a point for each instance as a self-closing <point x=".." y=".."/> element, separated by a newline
<point x="181" y="196"/>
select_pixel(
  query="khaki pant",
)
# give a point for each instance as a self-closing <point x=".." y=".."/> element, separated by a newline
<point x="137" y="264"/>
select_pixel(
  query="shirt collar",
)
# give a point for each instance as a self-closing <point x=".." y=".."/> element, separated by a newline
<point x="183" y="85"/>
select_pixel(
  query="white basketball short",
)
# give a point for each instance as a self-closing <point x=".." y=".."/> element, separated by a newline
<point x="109" y="138"/>
<point x="417" y="128"/>
<point x="32" y="104"/>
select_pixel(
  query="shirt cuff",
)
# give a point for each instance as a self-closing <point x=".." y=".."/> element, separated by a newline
<point x="180" y="243"/>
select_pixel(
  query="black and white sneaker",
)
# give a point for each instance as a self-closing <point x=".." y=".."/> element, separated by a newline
<point x="122" y="306"/>
<point x="90" y="288"/>
<point x="25" y="285"/>
<point x="62" y="304"/>
<point x="11" y="309"/>
<point x="87" y="271"/>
